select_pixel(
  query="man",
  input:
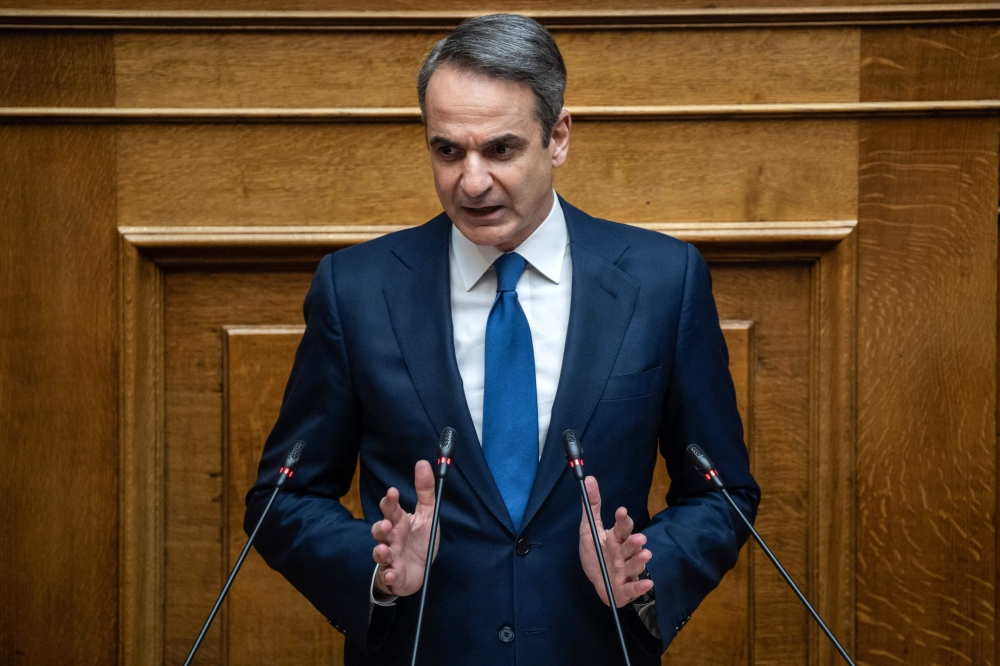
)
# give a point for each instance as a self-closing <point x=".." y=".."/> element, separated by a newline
<point x="510" y="317"/>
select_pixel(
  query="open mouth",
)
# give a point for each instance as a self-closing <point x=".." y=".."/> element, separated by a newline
<point x="482" y="211"/>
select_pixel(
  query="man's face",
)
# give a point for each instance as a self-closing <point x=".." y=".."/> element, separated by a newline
<point x="491" y="172"/>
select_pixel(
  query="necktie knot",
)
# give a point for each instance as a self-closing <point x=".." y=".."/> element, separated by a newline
<point x="509" y="268"/>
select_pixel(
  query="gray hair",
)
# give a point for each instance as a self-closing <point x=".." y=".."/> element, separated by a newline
<point x="507" y="47"/>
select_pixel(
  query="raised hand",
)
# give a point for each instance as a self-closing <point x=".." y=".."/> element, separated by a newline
<point x="402" y="537"/>
<point x="624" y="554"/>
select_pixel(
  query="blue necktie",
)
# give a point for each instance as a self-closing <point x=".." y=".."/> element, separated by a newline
<point x="510" y="406"/>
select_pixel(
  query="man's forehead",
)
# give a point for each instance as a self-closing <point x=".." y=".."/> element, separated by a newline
<point x="463" y="101"/>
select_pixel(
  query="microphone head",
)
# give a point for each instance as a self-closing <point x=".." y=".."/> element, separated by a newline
<point x="292" y="459"/>
<point x="446" y="445"/>
<point x="703" y="465"/>
<point x="446" y="442"/>
<point x="574" y="452"/>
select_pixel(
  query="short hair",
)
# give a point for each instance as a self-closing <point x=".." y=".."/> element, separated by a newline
<point x="507" y="47"/>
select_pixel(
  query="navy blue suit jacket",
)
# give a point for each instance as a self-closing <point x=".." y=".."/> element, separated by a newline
<point x="375" y="378"/>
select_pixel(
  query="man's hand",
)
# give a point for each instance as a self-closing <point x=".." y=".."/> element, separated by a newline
<point x="402" y="537"/>
<point x="624" y="554"/>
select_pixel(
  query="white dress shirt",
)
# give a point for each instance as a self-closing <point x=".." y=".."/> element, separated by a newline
<point x="544" y="292"/>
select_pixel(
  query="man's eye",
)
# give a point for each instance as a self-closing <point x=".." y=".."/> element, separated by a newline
<point x="502" y="149"/>
<point x="446" y="151"/>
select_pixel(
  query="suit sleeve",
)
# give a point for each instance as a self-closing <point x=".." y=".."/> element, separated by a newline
<point x="697" y="538"/>
<point x="309" y="536"/>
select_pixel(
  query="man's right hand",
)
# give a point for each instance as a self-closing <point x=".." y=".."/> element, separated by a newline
<point x="402" y="537"/>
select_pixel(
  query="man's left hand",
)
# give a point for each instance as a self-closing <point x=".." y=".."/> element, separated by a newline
<point x="624" y="554"/>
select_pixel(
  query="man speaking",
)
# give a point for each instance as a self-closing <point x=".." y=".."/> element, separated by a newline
<point x="510" y="317"/>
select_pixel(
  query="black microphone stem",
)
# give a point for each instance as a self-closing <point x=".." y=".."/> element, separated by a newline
<point x="232" y="577"/>
<point x="604" y="569"/>
<point x="427" y="568"/>
<point x="788" y="579"/>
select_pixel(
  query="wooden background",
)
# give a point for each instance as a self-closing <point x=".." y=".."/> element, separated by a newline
<point x="169" y="178"/>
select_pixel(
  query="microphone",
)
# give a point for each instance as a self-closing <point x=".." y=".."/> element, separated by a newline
<point x="574" y="455"/>
<point x="446" y="445"/>
<point x="703" y="464"/>
<point x="285" y="473"/>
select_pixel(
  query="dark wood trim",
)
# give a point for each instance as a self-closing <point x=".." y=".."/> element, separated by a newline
<point x="34" y="19"/>
<point x="934" y="108"/>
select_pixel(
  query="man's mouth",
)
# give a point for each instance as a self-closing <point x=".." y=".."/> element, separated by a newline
<point x="481" y="211"/>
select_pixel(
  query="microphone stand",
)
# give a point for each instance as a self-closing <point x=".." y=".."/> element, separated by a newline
<point x="286" y="471"/>
<point x="574" y="454"/>
<point x="704" y="465"/>
<point x="446" y="444"/>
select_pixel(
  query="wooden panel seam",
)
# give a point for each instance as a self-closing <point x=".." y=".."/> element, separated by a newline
<point x="933" y="108"/>
<point x="34" y="19"/>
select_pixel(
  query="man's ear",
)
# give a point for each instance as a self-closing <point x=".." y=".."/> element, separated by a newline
<point x="559" y="143"/>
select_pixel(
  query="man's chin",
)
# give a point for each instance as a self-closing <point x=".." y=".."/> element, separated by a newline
<point x="482" y="232"/>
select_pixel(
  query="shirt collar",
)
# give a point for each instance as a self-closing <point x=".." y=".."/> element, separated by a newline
<point x="544" y="249"/>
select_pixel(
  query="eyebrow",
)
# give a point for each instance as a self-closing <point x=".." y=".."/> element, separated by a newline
<point x="509" y="137"/>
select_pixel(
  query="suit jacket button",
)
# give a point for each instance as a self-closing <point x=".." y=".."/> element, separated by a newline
<point x="522" y="546"/>
<point x="506" y="634"/>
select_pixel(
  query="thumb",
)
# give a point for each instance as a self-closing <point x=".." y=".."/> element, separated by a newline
<point x="594" y="497"/>
<point x="423" y="482"/>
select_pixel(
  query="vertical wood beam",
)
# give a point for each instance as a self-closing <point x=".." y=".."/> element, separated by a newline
<point x="58" y="374"/>
<point x="927" y="338"/>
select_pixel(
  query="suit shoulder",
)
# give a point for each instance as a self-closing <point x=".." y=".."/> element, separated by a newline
<point x="639" y="241"/>
<point x="377" y="254"/>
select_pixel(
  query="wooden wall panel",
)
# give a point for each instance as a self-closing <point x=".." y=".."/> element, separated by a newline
<point x="910" y="64"/>
<point x="728" y="611"/>
<point x="626" y="171"/>
<point x="272" y="70"/>
<point x="56" y="69"/>
<point x="378" y="69"/>
<point x="58" y="377"/>
<point x="927" y="392"/>
<point x="266" y="620"/>
<point x="197" y="307"/>
<point x="927" y="336"/>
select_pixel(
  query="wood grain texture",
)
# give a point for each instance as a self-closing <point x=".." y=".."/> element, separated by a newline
<point x="58" y="396"/>
<point x="197" y="307"/>
<point x="266" y="620"/>
<point x="248" y="175"/>
<point x="728" y="610"/>
<point x="378" y="69"/>
<point x="56" y="69"/>
<point x="58" y="378"/>
<point x="909" y="64"/>
<point x="446" y="13"/>
<point x="926" y="392"/>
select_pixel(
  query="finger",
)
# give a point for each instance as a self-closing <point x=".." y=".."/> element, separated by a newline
<point x="634" y="590"/>
<point x="635" y="565"/>
<point x="631" y="546"/>
<point x="383" y="555"/>
<point x="390" y="506"/>
<point x="423" y="481"/>
<point x="594" y="497"/>
<point x="623" y="525"/>
<point x="382" y="530"/>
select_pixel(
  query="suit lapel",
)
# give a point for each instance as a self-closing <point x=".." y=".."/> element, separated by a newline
<point x="419" y="304"/>
<point x="601" y="307"/>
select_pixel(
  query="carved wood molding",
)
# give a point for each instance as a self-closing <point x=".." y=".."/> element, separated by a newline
<point x="35" y="19"/>
<point x="121" y="115"/>
<point x="183" y="245"/>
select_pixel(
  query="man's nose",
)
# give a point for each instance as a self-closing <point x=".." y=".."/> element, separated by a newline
<point x="476" y="178"/>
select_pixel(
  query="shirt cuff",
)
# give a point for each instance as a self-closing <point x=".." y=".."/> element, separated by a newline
<point x="377" y="598"/>
<point x="647" y="613"/>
